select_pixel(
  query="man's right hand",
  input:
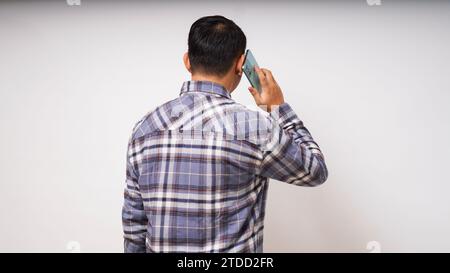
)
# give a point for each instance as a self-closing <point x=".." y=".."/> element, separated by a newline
<point x="271" y="94"/>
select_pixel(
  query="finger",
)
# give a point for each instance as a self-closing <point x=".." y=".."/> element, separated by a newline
<point x="255" y="94"/>
<point x="268" y="74"/>
<point x="261" y="75"/>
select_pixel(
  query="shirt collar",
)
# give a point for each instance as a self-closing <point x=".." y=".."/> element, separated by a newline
<point x="205" y="86"/>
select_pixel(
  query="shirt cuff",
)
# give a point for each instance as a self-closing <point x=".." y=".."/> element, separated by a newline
<point x="284" y="115"/>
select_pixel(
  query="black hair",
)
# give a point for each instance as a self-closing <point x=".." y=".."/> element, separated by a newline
<point x="214" y="44"/>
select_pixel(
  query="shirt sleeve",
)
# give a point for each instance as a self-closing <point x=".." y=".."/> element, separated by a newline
<point x="290" y="154"/>
<point x="134" y="219"/>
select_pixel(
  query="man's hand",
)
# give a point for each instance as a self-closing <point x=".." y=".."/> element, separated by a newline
<point x="271" y="94"/>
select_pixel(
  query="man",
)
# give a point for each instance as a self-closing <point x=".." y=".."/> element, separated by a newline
<point x="198" y="166"/>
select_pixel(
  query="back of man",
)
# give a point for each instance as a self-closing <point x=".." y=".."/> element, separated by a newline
<point x="198" y="165"/>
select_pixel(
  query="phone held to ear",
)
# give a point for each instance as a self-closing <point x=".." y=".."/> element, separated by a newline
<point x="249" y="70"/>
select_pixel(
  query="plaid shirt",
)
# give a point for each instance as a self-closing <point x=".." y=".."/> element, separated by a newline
<point x="198" y="168"/>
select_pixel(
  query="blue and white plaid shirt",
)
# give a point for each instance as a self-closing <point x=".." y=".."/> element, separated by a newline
<point x="198" y="169"/>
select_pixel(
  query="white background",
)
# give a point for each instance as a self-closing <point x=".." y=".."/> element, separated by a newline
<point x="371" y="83"/>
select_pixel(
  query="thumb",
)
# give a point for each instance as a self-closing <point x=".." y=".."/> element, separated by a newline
<point x="255" y="95"/>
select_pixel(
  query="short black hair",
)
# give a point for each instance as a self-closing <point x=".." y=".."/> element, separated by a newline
<point x="214" y="44"/>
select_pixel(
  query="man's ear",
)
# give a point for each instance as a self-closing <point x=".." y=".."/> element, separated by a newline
<point x="186" y="61"/>
<point x="239" y="64"/>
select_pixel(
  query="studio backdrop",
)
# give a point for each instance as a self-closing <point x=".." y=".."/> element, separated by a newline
<point x="370" y="80"/>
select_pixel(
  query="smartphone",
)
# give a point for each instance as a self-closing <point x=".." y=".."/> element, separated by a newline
<point x="249" y="70"/>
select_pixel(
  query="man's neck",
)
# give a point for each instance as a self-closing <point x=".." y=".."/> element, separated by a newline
<point x="220" y="80"/>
